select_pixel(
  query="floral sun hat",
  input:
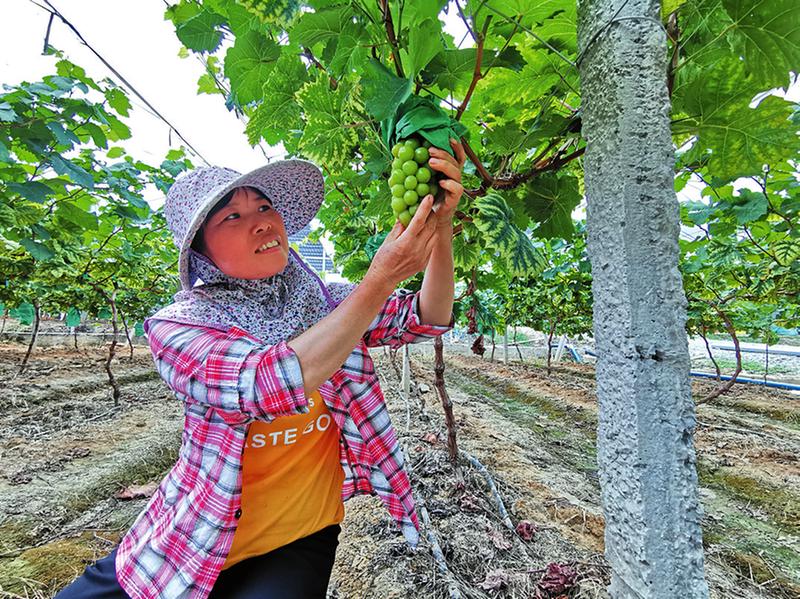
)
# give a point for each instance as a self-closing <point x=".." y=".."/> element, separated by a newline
<point x="295" y="188"/>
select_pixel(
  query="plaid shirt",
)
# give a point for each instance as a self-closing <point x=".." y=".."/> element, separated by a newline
<point x="227" y="379"/>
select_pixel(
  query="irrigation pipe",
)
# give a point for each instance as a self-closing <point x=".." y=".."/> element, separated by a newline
<point x="739" y="379"/>
<point x="757" y="350"/>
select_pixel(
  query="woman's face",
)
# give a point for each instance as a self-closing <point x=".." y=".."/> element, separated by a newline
<point x="234" y="238"/>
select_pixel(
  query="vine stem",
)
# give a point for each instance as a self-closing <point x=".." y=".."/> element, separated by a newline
<point x="387" y="22"/>
<point x="37" y="317"/>
<point x="476" y="73"/>
<point x="498" y="499"/>
<point x="728" y="384"/>
<point x="447" y="404"/>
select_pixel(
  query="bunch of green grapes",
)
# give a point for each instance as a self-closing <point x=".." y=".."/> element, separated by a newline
<point x="411" y="179"/>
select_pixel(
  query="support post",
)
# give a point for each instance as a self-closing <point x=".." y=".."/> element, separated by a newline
<point x="646" y="419"/>
<point x="406" y="374"/>
<point x="562" y="342"/>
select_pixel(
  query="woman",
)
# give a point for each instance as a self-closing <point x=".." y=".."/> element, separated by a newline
<point x="284" y="416"/>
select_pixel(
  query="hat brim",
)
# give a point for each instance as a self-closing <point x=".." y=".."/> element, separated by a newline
<point x="295" y="188"/>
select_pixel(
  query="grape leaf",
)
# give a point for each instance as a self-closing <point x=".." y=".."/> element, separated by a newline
<point x="496" y="221"/>
<point x="200" y="32"/>
<point x="550" y="200"/>
<point x="78" y="174"/>
<point x="321" y="26"/>
<point x="766" y="33"/>
<point x="749" y="206"/>
<point x="465" y="254"/>
<point x="118" y="100"/>
<point x="249" y="63"/>
<point x="25" y="313"/>
<point x="278" y="110"/>
<point x="38" y="250"/>
<point x="384" y="92"/>
<point x="424" y="43"/>
<point x="327" y="138"/>
<point x="31" y="190"/>
<point x="452" y="69"/>
<point x="7" y="113"/>
<point x="736" y="140"/>
<point x="351" y="50"/>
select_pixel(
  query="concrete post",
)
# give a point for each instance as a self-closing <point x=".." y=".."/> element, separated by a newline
<point x="646" y="414"/>
<point x="562" y="343"/>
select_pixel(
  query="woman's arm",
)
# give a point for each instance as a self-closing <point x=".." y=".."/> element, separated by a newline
<point x="438" y="285"/>
<point x="227" y="370"/>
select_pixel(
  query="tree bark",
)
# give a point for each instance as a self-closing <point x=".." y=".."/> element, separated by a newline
<point x="37" y="317"/>
<point x="646" y="419"/>
<point x="447" y="405"/>
<point x="5" y="317"/>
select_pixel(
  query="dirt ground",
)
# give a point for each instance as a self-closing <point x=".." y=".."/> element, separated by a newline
<point x="67" y="453"/>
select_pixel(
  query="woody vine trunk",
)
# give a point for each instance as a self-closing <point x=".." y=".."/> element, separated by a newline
<point x="646" y="417"/>
<point x="127" y="332"/>
<point x="447" y="405"/>
<point x="112" y="349"/>
<point x="37" y="316"/>
<point x="725" y="387"/>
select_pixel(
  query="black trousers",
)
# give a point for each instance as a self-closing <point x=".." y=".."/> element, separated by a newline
<point x="299" y="570"/>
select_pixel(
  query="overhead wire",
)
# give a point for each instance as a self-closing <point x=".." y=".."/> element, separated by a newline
<point x="55" y="12"/>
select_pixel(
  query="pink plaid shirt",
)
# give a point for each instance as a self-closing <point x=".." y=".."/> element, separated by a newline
<point x="227" y="379"/>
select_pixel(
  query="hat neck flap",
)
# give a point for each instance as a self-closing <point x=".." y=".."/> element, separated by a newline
<point x="273" y="309"/>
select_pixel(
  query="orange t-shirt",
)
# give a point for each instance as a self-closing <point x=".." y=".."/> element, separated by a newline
<point x="291" y="481"/>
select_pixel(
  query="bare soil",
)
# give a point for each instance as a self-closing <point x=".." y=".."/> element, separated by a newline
<point x="66" y="453"/>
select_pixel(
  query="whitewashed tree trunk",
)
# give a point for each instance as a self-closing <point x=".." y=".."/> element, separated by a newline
<point x="646" y="415"/>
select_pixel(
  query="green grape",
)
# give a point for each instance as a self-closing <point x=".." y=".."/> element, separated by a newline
<point x="411" y="178"/>
<point x="405" y="152"/>
<point x="410" y="167"/>
<point x="398" y="204"/>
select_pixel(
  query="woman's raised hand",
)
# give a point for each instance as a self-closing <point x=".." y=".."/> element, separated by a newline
<point x="406" y="250"/>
